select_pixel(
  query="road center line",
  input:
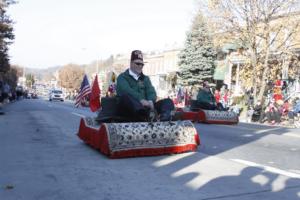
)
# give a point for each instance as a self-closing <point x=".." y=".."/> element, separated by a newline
<point x="267" y="168"/>
<point x="292" y="135"/>
<point x="77" y="114"/>
<point x="267" y="130"/>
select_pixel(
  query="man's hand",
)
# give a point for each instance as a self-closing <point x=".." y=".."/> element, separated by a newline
<point x="148" y="104"/>
<point x="213" y="103"/>
<point x="145" y="103"/>
<point x="151" y="105"/>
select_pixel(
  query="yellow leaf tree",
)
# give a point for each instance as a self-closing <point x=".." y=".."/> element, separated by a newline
<point x="70" y="76"/>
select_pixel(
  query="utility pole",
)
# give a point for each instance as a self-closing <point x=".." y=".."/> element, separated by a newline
<point x="97" y="66"/>
<point x="24" y="78"/>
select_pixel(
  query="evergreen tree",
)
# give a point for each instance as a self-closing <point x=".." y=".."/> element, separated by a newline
<point x="196" y="60"/>
<point x="6" y="35"/>
<point x="30" y="80"/>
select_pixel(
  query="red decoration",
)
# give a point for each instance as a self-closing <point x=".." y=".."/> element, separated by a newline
<point x="95" y="96"/>
<point x="200" y="116"/>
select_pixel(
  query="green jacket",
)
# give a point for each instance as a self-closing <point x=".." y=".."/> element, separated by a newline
<point x="139" y="89"/>
<point x="206" y="97"/>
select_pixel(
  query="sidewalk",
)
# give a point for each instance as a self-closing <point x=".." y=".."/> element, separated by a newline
<point x="284" y="124"/>
<point x="1" y="109"/>
<point x="2" y="105"/>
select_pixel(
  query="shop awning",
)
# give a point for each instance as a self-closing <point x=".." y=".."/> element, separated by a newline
<point x="221" y="70"/>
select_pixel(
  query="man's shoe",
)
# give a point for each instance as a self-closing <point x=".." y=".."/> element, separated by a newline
<point x="153" y="116"/>
<point x="103" y="117"/>
<point x="165" y="116"/>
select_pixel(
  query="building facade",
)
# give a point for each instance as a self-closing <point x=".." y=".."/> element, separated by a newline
<point x="159" y="65"/>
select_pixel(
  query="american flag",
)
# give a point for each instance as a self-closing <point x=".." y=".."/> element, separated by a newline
<point x="85" y="90"/>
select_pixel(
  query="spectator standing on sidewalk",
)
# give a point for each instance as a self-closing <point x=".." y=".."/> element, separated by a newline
<point x="217" y="96"/>
<point x="224" y="96"/>
<point x="258" y="115"/>
<point x="295" y="111"/>
<point x="1" y="97"/>
<point x="277" y="96"/>
<point x="235" y="108"/>
<point x="1" y="92"/>
<point x="250" y="112"/>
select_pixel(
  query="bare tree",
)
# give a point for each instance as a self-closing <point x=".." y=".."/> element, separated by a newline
<point x="70" y="76"/>
<point x="264" y="28"/>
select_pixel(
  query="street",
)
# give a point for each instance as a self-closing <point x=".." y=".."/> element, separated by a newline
<point x="42" y="158"/>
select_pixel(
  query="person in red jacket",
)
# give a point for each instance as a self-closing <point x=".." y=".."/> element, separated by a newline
<point x="277" y="94"/>
<point x="217" y="96"/>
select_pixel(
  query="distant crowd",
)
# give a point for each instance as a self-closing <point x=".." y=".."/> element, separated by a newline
<point x="279" y="105"/>
<point x="8" y="93"/>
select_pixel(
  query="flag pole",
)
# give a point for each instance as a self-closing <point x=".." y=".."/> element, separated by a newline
<point x="97" y="66"/>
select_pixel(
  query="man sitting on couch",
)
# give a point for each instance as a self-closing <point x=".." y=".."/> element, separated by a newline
<point x="206" y="100"/>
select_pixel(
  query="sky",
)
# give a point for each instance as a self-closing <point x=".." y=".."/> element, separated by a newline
<point x="58" y="32"/>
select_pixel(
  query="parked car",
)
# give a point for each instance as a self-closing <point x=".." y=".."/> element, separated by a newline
<point x="56" y="95"/>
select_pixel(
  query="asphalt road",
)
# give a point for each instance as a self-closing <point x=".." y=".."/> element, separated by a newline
<point x="42" y="158"/>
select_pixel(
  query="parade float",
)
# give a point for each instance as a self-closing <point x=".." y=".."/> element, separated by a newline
<point x="117" y="138"/>
<point x="191" y="111"/>
<point x="209" y="116"/>
<point x="130" y="139"/>
<point x="195" y="114"/>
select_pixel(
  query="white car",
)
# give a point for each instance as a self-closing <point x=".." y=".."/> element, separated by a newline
<point x="56" y="95"/>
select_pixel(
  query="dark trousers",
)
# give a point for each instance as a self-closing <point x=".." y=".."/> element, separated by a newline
<point x="256" y="116"/>
<point x="206" y="106"/>
<point x="196" y="105"/>
<point x="273" y="116"/>
<point x="132" y="109"/>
